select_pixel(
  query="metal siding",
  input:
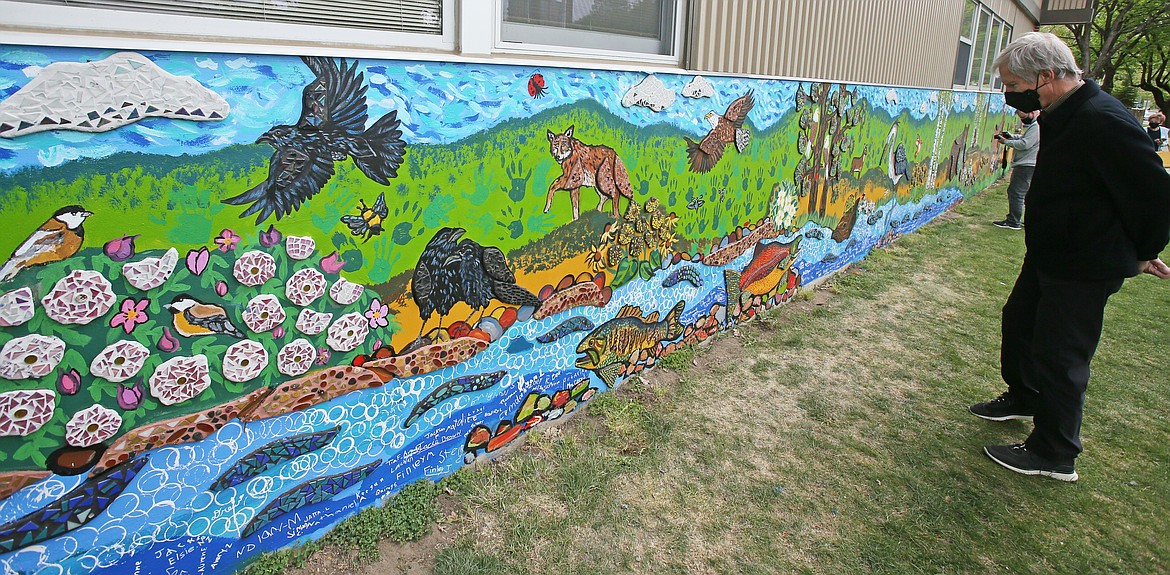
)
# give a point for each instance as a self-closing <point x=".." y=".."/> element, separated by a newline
<point x="890" y="42"/>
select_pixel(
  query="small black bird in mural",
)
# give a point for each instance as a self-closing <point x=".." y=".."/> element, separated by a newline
<point x="332" y="126"/>
<point x="484" y="275"/>
<point x="58" y="238"/>
<point x="435" y="281"/>
<point x="194" y="318"/>
<point x="369" y="220"/>
<point x="725" y="129"/>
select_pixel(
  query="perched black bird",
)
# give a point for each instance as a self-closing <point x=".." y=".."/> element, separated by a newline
<point x="434" y="286"/>
<point x="332" y="126"/>
<point x="484" y="275"/>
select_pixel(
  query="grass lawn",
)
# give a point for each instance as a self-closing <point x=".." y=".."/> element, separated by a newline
<point x="832" y="437"/>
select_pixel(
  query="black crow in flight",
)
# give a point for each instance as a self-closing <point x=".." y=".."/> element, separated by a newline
<point x="332" y="126"/>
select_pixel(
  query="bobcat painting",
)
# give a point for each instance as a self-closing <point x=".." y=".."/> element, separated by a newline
<point x="585" y="165"/>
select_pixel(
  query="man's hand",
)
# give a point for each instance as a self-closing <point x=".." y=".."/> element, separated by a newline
<point x="1155" y="267"/>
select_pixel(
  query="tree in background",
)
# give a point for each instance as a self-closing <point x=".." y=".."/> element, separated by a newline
<point x="1115" y="36"/>
<point x="1155" y="67"/>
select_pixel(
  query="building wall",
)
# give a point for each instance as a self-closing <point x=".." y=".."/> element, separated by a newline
<point x="301" y="284"/>
<point x="876" y="41"/>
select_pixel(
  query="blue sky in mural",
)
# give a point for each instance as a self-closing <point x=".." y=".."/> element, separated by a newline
<point x="437" y="102"/>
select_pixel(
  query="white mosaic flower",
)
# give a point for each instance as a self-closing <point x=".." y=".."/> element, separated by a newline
<point x="25" y="410"/>
<point x="299" y="247"/>
<point x="305" y="286"/>
<point x="296" y="357"/>
<point x="92" y="426"/>
<point x="348" y="332"/>
<point x="311" y="322"/>
<point x="119" y="361"/>
<point x="244" y="361"/>
<point x="31" y="356"/>
<point x="79" y="298"/>
<point x="179" y="379"/>
<point x="263" y="313"/>
<point x="345" y="292"/>
<point x="150" y="273"/>
<point x="17" y="307"/>
<point x="254" y="268"/>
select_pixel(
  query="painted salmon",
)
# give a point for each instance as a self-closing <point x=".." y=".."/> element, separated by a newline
<point x="573" y="324"/>
<point x="457" y="386"/>
<point x="608" y="346"/>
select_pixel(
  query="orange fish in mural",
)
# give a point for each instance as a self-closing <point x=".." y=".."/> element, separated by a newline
<point x="58" y="238"/>
<point x="769" y="264"/>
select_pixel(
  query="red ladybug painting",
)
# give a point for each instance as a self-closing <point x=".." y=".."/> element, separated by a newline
<point x="536" y="87"/>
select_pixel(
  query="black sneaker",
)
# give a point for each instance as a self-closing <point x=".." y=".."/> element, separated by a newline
<point x="1019" y="459"/>
<point x="1003" y="408"/>
<point x="1007" y="225"/>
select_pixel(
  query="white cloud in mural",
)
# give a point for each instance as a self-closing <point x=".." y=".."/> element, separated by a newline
<point x="651" y="93"/>
<point x="57" y="155"/>
<point x="103" y="95"/>
<point x="240" y="62"/>
<point x="892" y="97"/>
<point x="208" y="64"/>
<point x="925" y="108"/>
<point x="934" y="97"/>
<point x="698" y="87"/>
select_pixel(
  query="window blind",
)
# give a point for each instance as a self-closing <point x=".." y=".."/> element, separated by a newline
<point x="412" y="16"/>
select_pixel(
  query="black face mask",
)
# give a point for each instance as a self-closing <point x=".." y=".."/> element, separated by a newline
<point x="1026" y="101"/>
<point x="1027" y="121"/>
<point x="1154" y="125"/>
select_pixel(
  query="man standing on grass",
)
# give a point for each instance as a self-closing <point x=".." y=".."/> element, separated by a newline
<point x="1098" y="212"/>
<point x="1023" y="164"/>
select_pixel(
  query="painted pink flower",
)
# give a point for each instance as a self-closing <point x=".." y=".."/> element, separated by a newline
<point x="270" y="237"/>
<point x="377" y="314"/>
<point x="227" y="240"/>
<point x="129" y="398"/>
<point x="133" y="313"/>
<point x="168" y="343"/>
<point x="69" y="383"/>
<point x="323" y="354"/>
<point x="332" y="263"/>
<point x="92" y="426"/>
<point x="221" y="288"/>
<point x="197" y="260"/>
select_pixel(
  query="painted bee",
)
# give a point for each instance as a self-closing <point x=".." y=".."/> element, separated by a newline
<point x="369" y="221"/>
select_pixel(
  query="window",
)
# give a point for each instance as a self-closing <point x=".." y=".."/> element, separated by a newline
<point x="649" y="28"/>
<point x="982" y="35"/>
<point x="377" y="23"/>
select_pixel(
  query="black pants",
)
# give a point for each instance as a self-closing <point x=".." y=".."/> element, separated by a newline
<point x="1051" y="327"/>
<point x="1017" y="190"/>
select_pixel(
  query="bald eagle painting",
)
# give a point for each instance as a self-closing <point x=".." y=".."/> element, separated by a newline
<point x="725" y="129"/>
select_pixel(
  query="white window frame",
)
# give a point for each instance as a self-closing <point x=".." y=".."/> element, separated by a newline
<point x="52" y="25"/>
<point x="501" y="46"/>
<point x="984" y="17"/>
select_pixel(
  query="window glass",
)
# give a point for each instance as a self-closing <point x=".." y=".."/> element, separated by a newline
<point x="979" y="48"/>
<point x="966" y="30"/>
<point x="644" y="26"/>
<point x="992" y="51"/>
<point x="962" y="61"/>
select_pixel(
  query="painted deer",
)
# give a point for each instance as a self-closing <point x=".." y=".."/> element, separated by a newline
<point x="859" y="162"/>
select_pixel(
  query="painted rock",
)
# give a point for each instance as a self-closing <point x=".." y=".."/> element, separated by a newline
<point x="576" y="295"/>
<point x="732" y="250"/>
<point x="13" y="481"/>
<point x="71" y="460"/>
<point x="431" y="357"/>
<point x="317" y="387"/>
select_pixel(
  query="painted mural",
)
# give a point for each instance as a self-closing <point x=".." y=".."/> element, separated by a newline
<point x="243" y="297"/>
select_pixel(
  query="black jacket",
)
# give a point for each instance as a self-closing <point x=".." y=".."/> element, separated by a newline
<point x="1100" y="200"/>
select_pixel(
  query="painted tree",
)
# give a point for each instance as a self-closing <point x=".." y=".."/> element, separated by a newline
<point x="827" y="114"/>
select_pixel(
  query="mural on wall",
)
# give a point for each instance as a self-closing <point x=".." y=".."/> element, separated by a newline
<point x="184" y="386"/>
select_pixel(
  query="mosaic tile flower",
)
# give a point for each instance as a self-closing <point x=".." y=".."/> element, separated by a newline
<point x="348" y="332"/>
<point x="244" y="361"/>
<point x="296" y="357"/>
<point x="179" y="379"/>
<point x="227" y="240"/>
<point x="377" y="314"/>
<point x="150" y="273"/>
<point x="254" y="268"/>
<point x="31" y="356"/>
<point x="119" y="361"/>
<point x="132" y="314"/>
<point x="79" y="298"/>
<point x="263" y="313"/>
<point x="92" y="426"/>
<point x="299" y="247"/>
<point x="25" y="410"/>
<point x="305" y="286"/>
<point x="345" y="292"/>
<point x="17" y="307"/>
<point x="311" y="322"/>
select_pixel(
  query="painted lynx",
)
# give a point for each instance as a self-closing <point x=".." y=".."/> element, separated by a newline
<point x="585" y="165"/>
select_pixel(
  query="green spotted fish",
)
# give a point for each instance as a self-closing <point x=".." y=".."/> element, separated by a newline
<point x="606" y="348"/>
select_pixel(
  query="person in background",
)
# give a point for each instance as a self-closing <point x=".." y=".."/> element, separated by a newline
<point x="1157" y="131"/>
<point x="1023" y="164"/>
<point x="1098" y="212"/>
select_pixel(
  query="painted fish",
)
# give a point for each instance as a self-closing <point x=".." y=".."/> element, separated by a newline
<point x="874" y="217"/>
<point x="814" y="234"/>
<point x="769" y="263"/>
<point x="457" y="386"/>
<point x="271" y="455"/>
<point x="571" y="325"/>
<point x="519" y="345"/>
<point x="606" y="347"/>
<point x="686" y="273"/>
<point x="308" y="493"/>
